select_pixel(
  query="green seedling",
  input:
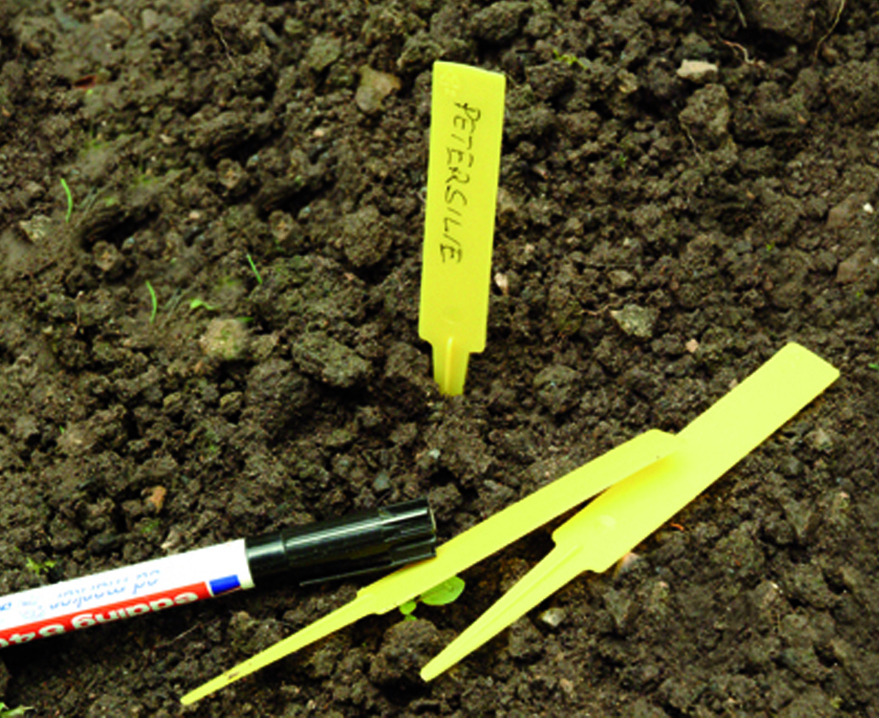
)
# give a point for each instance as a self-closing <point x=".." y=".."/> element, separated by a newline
<point x="569" y="59"/>
<point x="20" y="712"/>
<point x="255" y="270"/>
<point x="39" y="569"/>
<point x="69" y="195"/>
<point x="875" y="367"/>
<point x="446" y="592"/>
<point x="155" y="302"/>
<point x="199" y="303"/>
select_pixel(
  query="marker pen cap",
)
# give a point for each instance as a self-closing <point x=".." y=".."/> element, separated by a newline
<point x="380" y="539"/>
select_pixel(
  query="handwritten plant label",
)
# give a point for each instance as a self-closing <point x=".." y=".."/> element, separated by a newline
<point x="466" y="123"/>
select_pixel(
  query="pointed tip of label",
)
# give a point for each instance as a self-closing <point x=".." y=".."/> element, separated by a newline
<point x="450" y="366"/>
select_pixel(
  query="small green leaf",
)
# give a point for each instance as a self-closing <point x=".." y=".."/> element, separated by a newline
<point x="37" y="568"/>
<point x="408" y="607"/>
<point x="445" y="593"/>
<point x="14" y="712"/>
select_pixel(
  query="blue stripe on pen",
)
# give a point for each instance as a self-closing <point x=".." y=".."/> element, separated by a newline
<point x="224" y="585"/>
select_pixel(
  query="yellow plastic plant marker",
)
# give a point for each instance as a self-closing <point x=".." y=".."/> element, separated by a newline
<point x="468" y="548"/>
<point x="466" y="122"/>
<point x="624" y="515"/>
<point x="651" y="478"/>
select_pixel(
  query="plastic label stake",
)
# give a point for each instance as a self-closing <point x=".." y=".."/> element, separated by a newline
<point x="466" y="122"/>
<point x="629" y="511"/>
<point x="645" y="481"/>
<point x="475" y="544"/>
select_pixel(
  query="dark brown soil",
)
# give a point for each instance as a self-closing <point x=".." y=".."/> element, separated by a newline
<point x="659" y="237"/>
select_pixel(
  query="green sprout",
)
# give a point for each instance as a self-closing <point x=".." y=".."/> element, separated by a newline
<point x="569" y="60"/>
<point x="255" y="270"/>
<point x="39" y="569"/>
<point x="198" y="303"/>
<point x="154" y="301"/>
<point x="69" y="200"/>
<point x="20" y="712"/>
<point x="447" y="592"/>
<point x="874" y="367"/>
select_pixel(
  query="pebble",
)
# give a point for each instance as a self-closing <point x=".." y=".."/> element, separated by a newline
<point x="37" y="229"/>
<point x="224" y="339"/>
<point x="231" y="174"/>
<point x="819" y="440"/>
<point x="374" y="87"/>
<point x="698" y="71"/>
<point x="108" y="258"/>
<point x="636" y="321"/>
<point x="843" y="213"/>
<point x="621" y="279"/>
<point x="324" y="51"/>
<point x="851" y="269"/>
<point x="382" y="482"/>
<point x="156" y="497"/>
<point x="553" y="616"/>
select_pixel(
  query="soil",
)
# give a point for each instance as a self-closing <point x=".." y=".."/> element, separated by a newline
<point x="218" y="337"/>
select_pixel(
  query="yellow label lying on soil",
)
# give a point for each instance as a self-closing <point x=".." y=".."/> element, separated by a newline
<point x="466" y="122"/>
<point x="651" y="477"/>
<point x="630" y="510"/>
<point x="475" y="544"/>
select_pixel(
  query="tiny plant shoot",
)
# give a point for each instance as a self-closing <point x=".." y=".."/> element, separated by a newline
<point x="20" y="712"/>
<point x="39" y="569"/>
<point x="199" y="303"/>
<point x="447" y="592"/>
<point x="255" y="270"/>
<point x="69" y="196"/>
<point x="154" y="301"/>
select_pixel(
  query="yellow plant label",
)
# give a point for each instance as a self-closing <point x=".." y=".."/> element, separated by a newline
<point x="466" y="124"/>
<point x="632" y="509"/>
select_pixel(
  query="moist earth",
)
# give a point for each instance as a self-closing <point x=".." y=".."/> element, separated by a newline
<point x="214" y="335"/>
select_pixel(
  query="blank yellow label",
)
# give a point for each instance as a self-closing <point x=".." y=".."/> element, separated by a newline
<point x="630" y="510"/>
<point x="466" y="123"/>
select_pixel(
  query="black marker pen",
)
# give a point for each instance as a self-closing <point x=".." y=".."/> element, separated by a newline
<point x="365" y="542"/>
